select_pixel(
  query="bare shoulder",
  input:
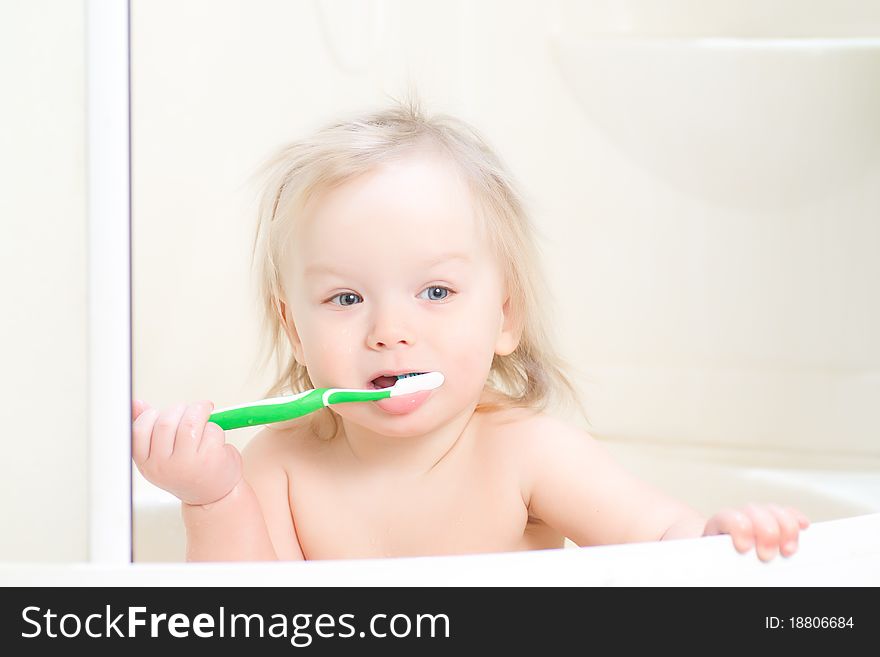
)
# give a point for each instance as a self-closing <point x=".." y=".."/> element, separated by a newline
<point x="550" y="443"/>
<point x="536" y="441"/>
<point x="277" y="445"/>
<point x="268" y="444"/>
<point x="530" y="445"/>
<point x="535" y="431"/>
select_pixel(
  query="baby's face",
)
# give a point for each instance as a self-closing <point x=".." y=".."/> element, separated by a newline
<point x="389" y="272"/>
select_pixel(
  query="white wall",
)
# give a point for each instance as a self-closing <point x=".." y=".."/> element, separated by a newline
<point x="43" y="272"/>
<point x="692" y="320"/>
<point x="702" y="18"/>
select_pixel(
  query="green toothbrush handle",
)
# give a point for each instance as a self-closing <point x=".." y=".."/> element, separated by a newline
<point x="257" y="414"/>
<point x="263" y="413"/>
<point x="341" y="396"/>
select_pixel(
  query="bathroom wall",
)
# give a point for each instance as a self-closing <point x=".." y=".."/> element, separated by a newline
<point x="717" y="312"/>
<point x="721" y="18"/>
<point x="43" y="266"/>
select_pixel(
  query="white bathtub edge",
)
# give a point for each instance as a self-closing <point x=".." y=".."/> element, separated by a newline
<point x="843" y="552"/>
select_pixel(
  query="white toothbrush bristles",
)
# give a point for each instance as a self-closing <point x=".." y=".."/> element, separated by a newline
<point x="411" y="384"/>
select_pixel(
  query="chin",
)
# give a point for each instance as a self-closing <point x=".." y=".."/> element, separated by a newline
<point x="401" y="425"/>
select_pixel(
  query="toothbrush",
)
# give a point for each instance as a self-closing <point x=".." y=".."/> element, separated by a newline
<point x="278" y="409"/>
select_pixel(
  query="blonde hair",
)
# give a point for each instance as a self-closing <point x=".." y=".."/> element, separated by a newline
<point x="529" y="377"/>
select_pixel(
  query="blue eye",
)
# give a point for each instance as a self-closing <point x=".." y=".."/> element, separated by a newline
<point x="345" y="295"/>
<point x="436" y="288"/>
<point x="435" y="293"/>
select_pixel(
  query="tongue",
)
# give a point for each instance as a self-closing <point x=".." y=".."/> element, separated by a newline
<point x="385" y="381"/>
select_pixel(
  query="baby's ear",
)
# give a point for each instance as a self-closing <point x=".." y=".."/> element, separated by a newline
<point x="290" y="329"/>
<point x="510" y="332"/>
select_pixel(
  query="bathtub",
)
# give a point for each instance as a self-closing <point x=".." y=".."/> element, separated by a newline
<point x="843" y="552"/>
<point x="842" y="546"/>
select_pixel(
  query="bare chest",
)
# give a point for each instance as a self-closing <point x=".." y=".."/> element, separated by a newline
<point x="459" y="512"/>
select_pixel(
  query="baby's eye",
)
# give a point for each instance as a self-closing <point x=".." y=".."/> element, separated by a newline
<point x="434" y="290"/>
<point x="347" y="296"/>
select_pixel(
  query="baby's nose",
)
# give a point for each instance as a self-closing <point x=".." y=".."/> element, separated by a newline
<point x="391" y="327"/>
<point x="391" y="342"/>
<point x="389" y="336"/>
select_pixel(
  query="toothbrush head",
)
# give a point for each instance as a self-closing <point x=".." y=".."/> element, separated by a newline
<point x="418" y="383"/>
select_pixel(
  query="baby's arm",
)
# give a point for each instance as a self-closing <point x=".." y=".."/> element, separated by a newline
<point x="221" y="492"/>
<point x="572" y="483"/>
<point x="253" y="522"/>
<point x="231" y="529"/>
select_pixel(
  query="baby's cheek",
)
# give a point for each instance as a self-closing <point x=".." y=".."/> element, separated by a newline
<point x="468" y="360"/>
<point x="330" y="354"/>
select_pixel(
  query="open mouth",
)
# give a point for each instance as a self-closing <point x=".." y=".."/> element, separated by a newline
<point x="388" y="381"/>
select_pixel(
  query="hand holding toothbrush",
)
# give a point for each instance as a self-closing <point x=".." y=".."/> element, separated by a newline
<point x="180" y="451"/>
<point x="183" y="449"/>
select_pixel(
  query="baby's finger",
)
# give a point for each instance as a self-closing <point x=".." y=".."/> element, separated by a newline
<point x="137" y="407"/>
<point x="213" y="438"/>
<point x="141" y="432"/>
<point x="739" y="526"/>
<point x="742" y="531"/>
<point x="766" y="531"/>
<point x="233" y="463"/>
<point x="191" y="428"/>
<point x="803" y="521"/>
<point x="164" y="432"/>
<point x="788" y="529"/>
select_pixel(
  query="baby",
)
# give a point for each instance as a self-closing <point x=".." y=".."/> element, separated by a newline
<point x="389" y="244"/>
